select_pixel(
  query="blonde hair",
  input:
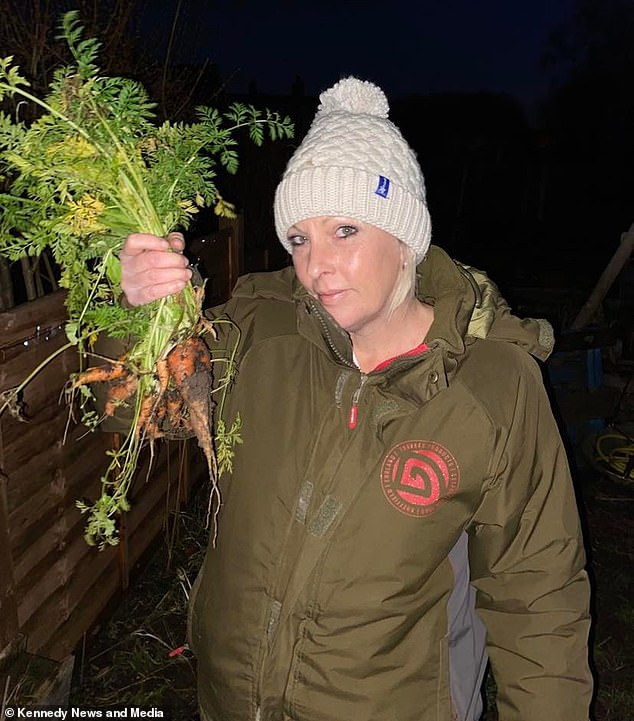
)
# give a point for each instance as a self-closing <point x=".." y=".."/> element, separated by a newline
<point x="406" y="282"/>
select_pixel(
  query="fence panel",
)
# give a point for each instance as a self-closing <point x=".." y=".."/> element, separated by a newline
<point x="54" y="586"/>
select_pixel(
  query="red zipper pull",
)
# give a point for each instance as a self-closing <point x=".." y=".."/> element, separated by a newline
<point x="354" y="408"/>
<point x="352" y="418"/>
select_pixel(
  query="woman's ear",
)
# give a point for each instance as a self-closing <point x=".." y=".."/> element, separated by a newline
<point x="407" y="255"/>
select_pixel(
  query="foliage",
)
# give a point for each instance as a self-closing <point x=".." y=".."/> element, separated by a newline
<point x="129" y="28"/>
<point x="92" y="168"/>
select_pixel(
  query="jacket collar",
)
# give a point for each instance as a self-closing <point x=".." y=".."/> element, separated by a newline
<point x="467" y="306"/>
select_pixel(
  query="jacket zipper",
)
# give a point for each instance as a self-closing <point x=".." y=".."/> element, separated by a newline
<point x="354" y="408"/>
<point x="340" y="357"/>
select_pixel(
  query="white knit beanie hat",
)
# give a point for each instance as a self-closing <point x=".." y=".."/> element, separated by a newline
<point x="354" y="162"/>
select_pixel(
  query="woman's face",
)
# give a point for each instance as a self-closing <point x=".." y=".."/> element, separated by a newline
<point x="350" y="267"/>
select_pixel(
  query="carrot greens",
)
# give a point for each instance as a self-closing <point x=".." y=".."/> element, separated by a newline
<point x="94" y="166"/>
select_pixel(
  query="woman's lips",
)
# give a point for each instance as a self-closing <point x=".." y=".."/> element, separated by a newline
<point x="329" y="297"/>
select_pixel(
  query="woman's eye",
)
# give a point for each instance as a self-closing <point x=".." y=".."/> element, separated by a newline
<point x="297" y="240"/>
<point x="344" y="231"/>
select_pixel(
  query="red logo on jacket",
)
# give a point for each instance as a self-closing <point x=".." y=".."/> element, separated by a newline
<point x="417" y="476"/>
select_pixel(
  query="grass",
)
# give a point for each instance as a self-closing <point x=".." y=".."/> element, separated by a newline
<point x="136" y="658"/>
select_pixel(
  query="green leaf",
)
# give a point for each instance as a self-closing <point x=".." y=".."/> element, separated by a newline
<point x="72" y="330"/>
<point x="113" y="269"/>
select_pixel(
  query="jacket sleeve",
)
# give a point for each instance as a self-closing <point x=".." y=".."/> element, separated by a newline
<point x="527" y="565"/>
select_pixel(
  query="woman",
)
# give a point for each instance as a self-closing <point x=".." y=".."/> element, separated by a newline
<point x="400" y="509"/>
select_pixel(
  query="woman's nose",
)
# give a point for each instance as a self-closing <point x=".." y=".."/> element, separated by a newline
<point x="320" y="258"/>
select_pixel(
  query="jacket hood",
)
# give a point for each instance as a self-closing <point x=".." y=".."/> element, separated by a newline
<point x="468" y="304"/>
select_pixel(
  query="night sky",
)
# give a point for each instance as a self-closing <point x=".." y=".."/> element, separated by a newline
<point x="418" y="47"/>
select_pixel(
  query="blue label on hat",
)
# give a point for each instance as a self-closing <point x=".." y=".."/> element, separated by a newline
<point x="383" y="188"/>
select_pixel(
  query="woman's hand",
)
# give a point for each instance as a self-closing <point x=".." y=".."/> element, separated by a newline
<point x="150" y="270"/>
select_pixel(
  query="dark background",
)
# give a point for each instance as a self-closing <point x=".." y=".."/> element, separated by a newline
<point x="521" y="113"/>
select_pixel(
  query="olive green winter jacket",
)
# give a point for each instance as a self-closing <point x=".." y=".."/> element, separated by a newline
<point x="369" y="560"/>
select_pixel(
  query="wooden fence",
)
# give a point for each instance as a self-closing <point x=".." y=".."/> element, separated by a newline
<point x="53" y="586"/>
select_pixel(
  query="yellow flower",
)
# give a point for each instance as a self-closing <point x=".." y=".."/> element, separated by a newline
<point x="92" y="339"/>
<point x="224" y="208"/>
<point x="83" y="216"/>
<point x="73" y="147"/>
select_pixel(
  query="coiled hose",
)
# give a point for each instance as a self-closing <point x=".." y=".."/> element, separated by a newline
<point x="611" y="452"/>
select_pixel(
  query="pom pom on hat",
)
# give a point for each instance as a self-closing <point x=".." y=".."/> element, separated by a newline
<point x="354" y="96"/>
<point x="354" y="162"/>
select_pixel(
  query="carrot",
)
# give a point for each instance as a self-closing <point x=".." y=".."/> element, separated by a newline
<point x="188" y="358"/>
<point x="175" y="410"/>
<point x="162" y="372"/>
<point x="119" y="392"/>
<point x="174" y="419"/>
<point x="145" y="413"/>
<point x="161" y="410"/>
<point x="174" y="403"/>
<point x="153" y="426"/>
<point x="100" y="374"/>
<point x="153" y="407"/>
<point x="189" y="365"/>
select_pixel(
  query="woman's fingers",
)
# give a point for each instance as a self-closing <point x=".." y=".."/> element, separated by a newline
<point x="176" y="241"/>
<point x="157" y="273"/>
<point x="156" y="259"/>
<point x="147" y="294"/>
<point x="150" y="268"/>
<point x="152" y="284"/>
<point x="137" y="243"/>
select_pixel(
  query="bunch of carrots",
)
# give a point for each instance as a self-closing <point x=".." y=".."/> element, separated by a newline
<point x="174" y="401"/>
<point x="180" y="403"/>
<point x="170" y="397"/>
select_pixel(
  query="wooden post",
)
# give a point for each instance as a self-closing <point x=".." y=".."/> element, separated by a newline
<point x="49" y="269"/>
<point x="612" y="269"/>
<point x="6" y="285"/>
<point x="37" y="277"/>
<point x="29" y="282"/>
<point x="236" y="246"/>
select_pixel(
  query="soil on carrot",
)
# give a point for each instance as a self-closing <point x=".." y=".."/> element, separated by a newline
<point x="129" y="660"/>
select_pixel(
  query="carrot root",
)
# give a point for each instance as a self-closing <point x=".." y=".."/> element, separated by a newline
<point x="189" y="365"/>
<point x="119" y="393"/>
<point x="100" y="374"/>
